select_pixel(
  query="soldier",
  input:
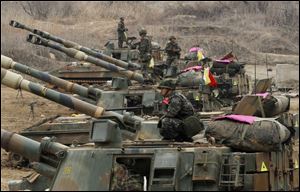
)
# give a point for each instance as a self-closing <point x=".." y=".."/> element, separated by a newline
<point x="145" y="51"/>
<point x="123" y="180"/>
<point x="173" y="52"/>
<point x="178" y="108"/>
<point x="121" y="32"/>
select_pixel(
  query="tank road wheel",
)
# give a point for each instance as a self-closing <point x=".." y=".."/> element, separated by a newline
<point x="17" y="160"/>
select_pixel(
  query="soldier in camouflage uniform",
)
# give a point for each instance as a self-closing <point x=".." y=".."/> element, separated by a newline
<point x="145" y="51"/>
<point x="178" y="108"/>
<point x="123" y="180"/>
<point x="173" y="52"/>
<point x="121" y="32"/>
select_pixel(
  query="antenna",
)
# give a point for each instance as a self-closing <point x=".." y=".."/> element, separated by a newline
<point x="232" y="50"/>
<point x="267" y="66"/>
<point x="255" y="74"/>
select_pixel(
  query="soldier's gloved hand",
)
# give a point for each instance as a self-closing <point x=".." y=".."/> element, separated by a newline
<point x="151" y="63"/>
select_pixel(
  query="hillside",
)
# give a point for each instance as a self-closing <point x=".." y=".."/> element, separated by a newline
<point x="253" y="30"/>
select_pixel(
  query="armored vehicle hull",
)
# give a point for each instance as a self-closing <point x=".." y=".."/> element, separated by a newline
<point x="163" y="165"/>
<point x="108" y="162"/>
<point x="85" y="75"/>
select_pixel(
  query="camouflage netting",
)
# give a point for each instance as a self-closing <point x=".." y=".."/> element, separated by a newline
<point x="262" y="135"/>
<point x="190" y="78"/>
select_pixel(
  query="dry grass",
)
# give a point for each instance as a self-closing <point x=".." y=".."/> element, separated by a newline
<point x="249" y="28"/>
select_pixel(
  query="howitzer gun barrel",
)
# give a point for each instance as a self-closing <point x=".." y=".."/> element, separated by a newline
<point x="74" y="53"/>
<point x="16" y="81"/>
<point x="126" y="117"/>
<point x="20" y="26"/>
<point x="20" y="145"/>
<point x="70" y="44"/>
<point x="90" y="92"/>
<point x="29" y="148"/>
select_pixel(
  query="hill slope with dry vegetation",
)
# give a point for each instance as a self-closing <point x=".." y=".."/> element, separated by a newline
<point x="250" y="29"/>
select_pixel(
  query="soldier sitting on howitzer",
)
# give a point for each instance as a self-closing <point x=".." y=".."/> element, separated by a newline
<point x="173" y="52"/>
<point x="121" y="32"/>
<point x="179" y="109"/>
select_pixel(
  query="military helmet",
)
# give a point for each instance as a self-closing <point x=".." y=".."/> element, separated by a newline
<point x="172" y="37"/>
<point x="143" y="32"/>
<point x="167" y="84"/>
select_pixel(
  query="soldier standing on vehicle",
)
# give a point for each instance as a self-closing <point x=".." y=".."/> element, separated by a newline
<point x="145" y="51"/>
<point x="178" y="108"/>
<point x="173" y="52"/>
<point x="121" y="32"/>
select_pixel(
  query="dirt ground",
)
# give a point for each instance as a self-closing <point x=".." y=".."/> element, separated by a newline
<point x="16" y="115"/>
<point x="256" y="32"/>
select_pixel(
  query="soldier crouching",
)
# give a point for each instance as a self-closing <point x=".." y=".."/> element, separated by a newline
<point x="179" y="108"/>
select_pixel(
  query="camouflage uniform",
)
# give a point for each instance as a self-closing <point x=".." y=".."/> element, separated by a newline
<point x="173" y="51"/>
<point x="121" y="33"/>
<point x="123" y="180"/>
<point x="145" y="51"/>
<point x="178" y="109"/>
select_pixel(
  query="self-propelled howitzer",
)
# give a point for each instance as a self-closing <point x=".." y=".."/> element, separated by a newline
<point x="31" y="149"/>
<point x="67" y="130"/>
<point x="44" y="156"/>
<point x="74" y="53"/>
<point x="70" y="44"/>
<point x="157" y="165"/>
<point x="111" y="99"/>
<point x="89" y="92"/>
<point x="16" y="81"/>
<point x="160" y="165"/>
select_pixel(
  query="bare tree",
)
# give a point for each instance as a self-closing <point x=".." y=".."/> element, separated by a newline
<point x="37" y="9"/>
<point x="43" y="10"/>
